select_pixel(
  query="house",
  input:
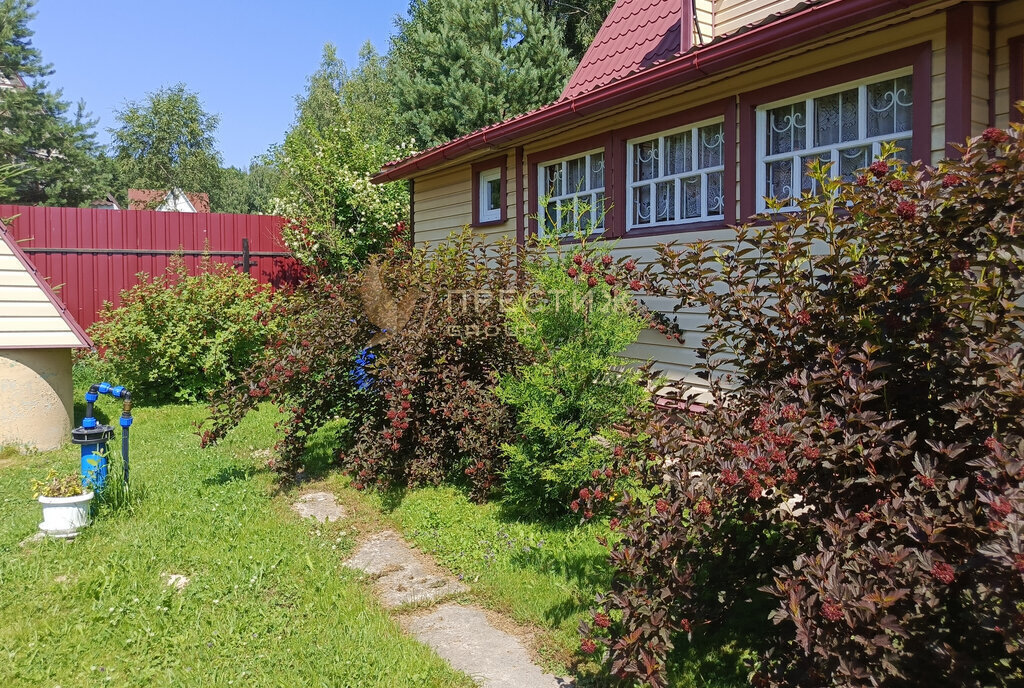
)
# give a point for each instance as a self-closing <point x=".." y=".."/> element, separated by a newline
<point x="684" y="114"/>
<point x="37" y="335"/>
<point x="175" y="201"/>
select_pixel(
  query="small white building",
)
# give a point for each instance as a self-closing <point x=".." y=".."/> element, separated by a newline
<point x="37" y="335"/>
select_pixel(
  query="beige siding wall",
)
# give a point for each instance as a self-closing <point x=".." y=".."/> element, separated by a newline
<point x="1009" y="24"/>
<point x="705" y="21"/>
<point x="979" y="70"/>
<point x="443" y="197"/>
<point x="27" y="317"/>
<point x="734" y="14"/>
<point x="444" y="203"/>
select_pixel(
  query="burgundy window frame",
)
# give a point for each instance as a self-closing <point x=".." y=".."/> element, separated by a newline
<point x="601" y="141"/>
<point x="918" y="57"/>
<point x="725" y="109"/>
<point x="501" y="163"/>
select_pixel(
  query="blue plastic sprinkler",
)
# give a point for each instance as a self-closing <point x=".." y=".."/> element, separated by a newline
<point x="93" y="437"/>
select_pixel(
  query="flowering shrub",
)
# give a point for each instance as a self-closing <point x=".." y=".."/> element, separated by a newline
<point x="574" y="323"/>
<point x="408" y="350"/>
<point x="307" y="368"/>
<point x="865" y="472"/>
<point x="439" y="419"/>
<point x="337" y="217"/>
<point x="179" y="336"/>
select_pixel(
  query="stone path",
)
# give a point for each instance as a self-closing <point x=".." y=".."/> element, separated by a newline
<point x="492" y="658"/>
<point x="460" y="634"/>
<point x="400" y="576"/>
<point x="319" y="505"/>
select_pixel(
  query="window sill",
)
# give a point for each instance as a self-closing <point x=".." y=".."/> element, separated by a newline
<point x="682" y="228"/>
<point x="489" y="223"/>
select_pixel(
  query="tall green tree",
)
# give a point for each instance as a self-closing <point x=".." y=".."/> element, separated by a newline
<point x="56" y="150"/>
<point x="343" y="133"/>
<point x="249" y="191"/>
<point x="231" y="192"/>
<point x="262" y="182"/>
<point x="579" y="19"/>
<point x="167" y="141"/>
<point x="463" y="64"/>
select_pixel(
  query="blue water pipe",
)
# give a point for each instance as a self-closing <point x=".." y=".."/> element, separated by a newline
<point x="93" y="437"/>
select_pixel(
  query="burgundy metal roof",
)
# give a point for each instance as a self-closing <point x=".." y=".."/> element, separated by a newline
<point x="636" y="34"/>
<point x="803" y="22"/>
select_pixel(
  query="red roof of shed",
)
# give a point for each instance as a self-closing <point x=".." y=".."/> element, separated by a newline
<point x="636" y="34"/>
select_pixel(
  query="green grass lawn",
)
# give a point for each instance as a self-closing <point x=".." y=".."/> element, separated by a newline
<point x="269" y="603"/>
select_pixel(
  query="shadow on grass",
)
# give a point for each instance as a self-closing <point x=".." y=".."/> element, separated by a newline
<point x="322" y="449"/>
<point x="392" y="498"/>
<point x="232" y="473"/>
<point x="509" y="513"/>
<point x="724" y="655"/>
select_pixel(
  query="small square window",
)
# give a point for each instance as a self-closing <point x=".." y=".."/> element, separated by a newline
<point x="490" y="196"/>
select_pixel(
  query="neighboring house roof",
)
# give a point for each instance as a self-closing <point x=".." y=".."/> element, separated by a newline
<point x="802" y="23"/>
<point x="31" y="315"/>
<point x="108" y="202"/>
<point x="636" y="34"/>
<point x="12" y="81"/>
<point x="173" y="200"/>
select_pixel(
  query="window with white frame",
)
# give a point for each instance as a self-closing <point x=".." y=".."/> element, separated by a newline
<point x="490" y="195"/>
<point x="676" y="177"/>
<point x="845" y="126"/>
<point x="572" y="194"/>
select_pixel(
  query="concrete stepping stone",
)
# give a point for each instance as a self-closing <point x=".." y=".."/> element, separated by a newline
<point x="319" y="505"/>
<point x="401" y="577"/>
<point x="493" y="659"/>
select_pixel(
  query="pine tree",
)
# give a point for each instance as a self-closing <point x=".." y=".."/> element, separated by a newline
<point x="60" y="160"/>
<point x="579" y="19"/>
<point x="463" y="64"/>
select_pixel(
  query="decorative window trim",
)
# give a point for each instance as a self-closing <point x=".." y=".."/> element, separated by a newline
<point x="810" y="149"/>
<point x="918" y="57"/>
<point x="677" y="179"/>
<point x="500" y="165"/>
<point x="725" y="110"/>
<point x="1016" y="85"/>
<point x="538" y="159"/>
<point x="587" y="196"/>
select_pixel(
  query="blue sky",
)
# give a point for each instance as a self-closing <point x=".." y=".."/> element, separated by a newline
<point x="247" y="59"/>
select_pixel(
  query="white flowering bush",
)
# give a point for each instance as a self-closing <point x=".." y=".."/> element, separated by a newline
<point x="336" y="216"/>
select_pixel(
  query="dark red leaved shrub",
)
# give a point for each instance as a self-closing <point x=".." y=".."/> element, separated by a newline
<point x="861" y="463"/>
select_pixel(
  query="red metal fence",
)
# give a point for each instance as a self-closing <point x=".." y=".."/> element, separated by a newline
<point x="90" y="255"/>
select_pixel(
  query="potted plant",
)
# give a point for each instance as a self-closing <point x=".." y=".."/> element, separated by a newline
<point x="65" y="504"/>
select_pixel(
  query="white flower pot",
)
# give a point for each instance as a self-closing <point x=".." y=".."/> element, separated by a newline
<point x="64" y="516"/>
